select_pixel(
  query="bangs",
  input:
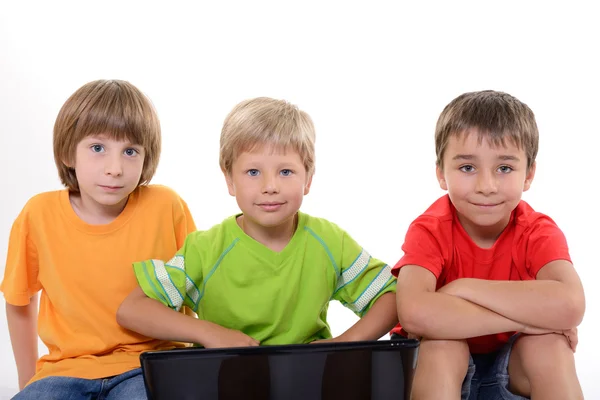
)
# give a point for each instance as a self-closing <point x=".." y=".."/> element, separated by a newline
<point x="117" y="117"/>
<point x="495" y="139"/>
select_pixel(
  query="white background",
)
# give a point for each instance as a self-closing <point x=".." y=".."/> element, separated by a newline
<point x="373" y="75"/>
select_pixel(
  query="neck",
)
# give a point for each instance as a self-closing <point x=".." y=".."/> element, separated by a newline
<point x="484" y="236"/>
<point x="273" y="237"/>
<point x="94" y="213"/>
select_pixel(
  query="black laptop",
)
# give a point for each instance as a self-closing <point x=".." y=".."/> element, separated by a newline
<point x="375" y="370"/>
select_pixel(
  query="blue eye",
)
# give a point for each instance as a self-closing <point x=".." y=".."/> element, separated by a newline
<point x="97" y="148"/>
<point x="253" y="172"/>
<point x="286" y="172"/>
<point x="505" y="169"/>
<point x="131" y="152"/>
<point x="467" y="168"/>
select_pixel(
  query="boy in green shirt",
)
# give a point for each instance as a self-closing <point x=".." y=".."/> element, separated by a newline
<point x="266" y="275"/>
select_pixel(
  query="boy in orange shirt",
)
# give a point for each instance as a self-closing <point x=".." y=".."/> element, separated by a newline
<point x="76" y="246"/>
<point x="480" y="265"/>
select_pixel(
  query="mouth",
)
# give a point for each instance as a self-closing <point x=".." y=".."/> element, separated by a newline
<point x="486" y="205"/>
<point x="270" y="206"/>
<point x="110" y="188"/>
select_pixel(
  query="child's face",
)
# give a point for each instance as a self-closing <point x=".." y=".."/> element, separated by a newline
<point x="107" y="171"/>
<point x="485" y="183"/>
<point x="269" y="186"/>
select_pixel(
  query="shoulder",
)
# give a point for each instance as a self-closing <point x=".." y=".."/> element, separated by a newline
<point x="438" y="216"/>
<point x="320" y="227"/>
<point x="529" y="221"/>
<point x="161" y="199"/>
<point x="47" y="202"/>
<point x="218" y="236"/>
<point x="158" y="194"/>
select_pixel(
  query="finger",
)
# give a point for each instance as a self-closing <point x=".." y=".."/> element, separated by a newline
<point x="574" y="343"/>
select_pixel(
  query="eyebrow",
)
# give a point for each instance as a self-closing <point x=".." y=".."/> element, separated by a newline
<point x="472" y="157"/>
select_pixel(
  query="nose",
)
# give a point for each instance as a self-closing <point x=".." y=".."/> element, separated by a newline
<point x="487" y="183"/>
<point x="270" y="184"/>
<point x="113" y="165"/>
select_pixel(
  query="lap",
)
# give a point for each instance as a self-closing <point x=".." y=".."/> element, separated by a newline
<point x="129" y="385"/>
<point x="487" y="375"/>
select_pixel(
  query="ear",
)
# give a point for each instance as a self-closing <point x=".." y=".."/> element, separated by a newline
<point x="440" y="177"/>
<point x="230" y="185"/>
<point x="307" y="186"/>
<point x="67" y="163"/>
<point x="529" y="177"/>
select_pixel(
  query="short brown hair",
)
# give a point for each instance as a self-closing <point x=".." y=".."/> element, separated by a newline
<point x="110" y="107"/>
<point x="496" y="116"/>
<point x="263" y="120"/>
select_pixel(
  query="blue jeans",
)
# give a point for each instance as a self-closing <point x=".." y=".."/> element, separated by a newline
<point x="129" y="386"/>
<point x="487" y="376"/>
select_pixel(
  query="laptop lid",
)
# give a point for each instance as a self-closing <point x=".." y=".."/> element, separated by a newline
<point x="376" y="370"/>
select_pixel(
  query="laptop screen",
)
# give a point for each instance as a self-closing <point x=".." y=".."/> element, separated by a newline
<point x="376" y="370"/>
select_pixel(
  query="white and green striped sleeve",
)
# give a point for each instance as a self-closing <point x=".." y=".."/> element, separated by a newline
<point x="362" y="279"/>
<point x="170" y="282"/>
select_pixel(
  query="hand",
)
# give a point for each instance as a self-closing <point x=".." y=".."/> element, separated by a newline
<point x="570" y="334"/>
<point x="532" y="330"/>
<point x="223" y="337"/>
<point x="332" y="340"/>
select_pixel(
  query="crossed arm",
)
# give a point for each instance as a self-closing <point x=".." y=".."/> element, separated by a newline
<point x="469" y="307"/>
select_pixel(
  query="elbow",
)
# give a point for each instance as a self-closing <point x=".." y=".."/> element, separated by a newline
<point x="568" y="310"/>
<point x="122" y="314"/>
<point x="411" y="318"/>
<point x="574" y="309"/>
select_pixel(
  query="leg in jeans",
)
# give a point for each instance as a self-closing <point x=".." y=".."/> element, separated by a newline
<point x="441" y="369"/>
<point x="61" y="388"/>
<point x="128" y="385"/>
<point x="543" y="367"/>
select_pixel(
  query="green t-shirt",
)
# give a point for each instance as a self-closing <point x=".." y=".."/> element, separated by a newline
<point x="230" y="279"/>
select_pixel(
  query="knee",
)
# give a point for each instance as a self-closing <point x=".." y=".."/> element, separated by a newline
<point x="537" y="352"/>
<point x="447" y="357"/>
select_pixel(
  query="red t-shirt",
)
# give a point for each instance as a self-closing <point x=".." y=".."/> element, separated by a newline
<point x="437" y="241"/>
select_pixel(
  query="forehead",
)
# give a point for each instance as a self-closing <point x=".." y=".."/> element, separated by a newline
<point x="269" y="152"/>
<point x="472" y="141"/>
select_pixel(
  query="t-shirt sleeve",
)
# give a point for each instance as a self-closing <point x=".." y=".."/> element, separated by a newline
<point x="362" y="278"/>
<point x="546" y="243"/>
<point x="170" y="282"/>
<point x="422" y="246"/>
<point x="21" y="280"/>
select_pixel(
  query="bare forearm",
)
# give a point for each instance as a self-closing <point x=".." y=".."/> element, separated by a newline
<point x="22" y="328"/>
<point x="153" y="319"/>
<point x="441" y="316"/>
<point x="378" y="321"/>
<point x="542" y="303"/>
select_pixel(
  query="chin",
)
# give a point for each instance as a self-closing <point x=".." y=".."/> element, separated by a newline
<point x="111" y="201"/>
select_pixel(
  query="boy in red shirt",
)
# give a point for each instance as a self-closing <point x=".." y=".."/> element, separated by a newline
<point x="485" y="280"/>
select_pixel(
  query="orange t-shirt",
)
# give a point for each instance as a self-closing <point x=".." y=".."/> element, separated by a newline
<point x="85" y="272"/>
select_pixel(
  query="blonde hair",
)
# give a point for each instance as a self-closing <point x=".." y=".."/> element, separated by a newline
<point x="106" y="107"/>
<point x="496" y="116"/>
<point x="266" y="121"/>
